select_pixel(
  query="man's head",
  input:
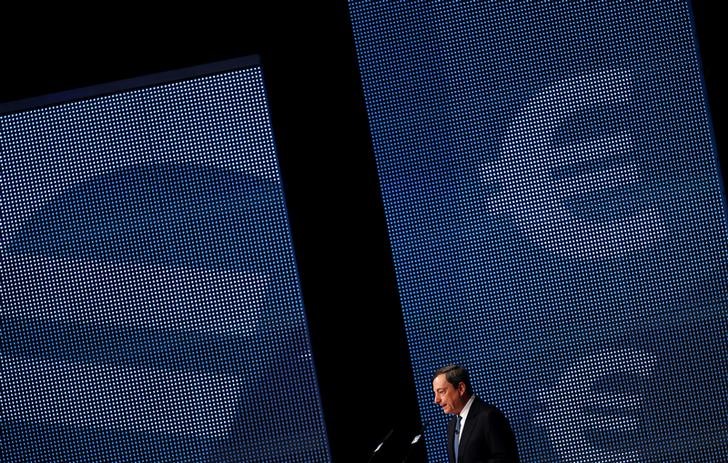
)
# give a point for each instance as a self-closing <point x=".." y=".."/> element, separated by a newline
<point x="451" y="385"/>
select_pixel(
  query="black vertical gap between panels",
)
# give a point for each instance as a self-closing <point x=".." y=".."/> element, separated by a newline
<point x="339" y="231"/>
<point x="711" y="36"/>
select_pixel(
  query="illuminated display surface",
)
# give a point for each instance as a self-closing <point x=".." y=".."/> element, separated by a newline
<point x="556" y="217"/>
<point x="151" y="301"/>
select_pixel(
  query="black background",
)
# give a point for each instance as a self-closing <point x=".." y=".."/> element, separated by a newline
<point x="326" y="159"/>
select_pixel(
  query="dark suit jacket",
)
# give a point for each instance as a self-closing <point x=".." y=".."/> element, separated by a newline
<point x="487" y="436"/>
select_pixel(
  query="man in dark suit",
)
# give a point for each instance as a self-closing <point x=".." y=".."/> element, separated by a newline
<point x="478" y="432"/>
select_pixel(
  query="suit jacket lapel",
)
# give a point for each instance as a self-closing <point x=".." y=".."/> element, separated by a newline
<point x="451" y="439"/>
<point x="470" y="423"/>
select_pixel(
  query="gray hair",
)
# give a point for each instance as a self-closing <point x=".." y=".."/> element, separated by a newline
<point x="455" y="374"/>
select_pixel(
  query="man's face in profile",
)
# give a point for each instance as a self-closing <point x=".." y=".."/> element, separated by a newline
<point x="447" y="396"/>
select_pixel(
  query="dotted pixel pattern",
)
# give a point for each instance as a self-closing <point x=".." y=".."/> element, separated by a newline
<point x="555" y="212"/>
<point x="149" y="282"/>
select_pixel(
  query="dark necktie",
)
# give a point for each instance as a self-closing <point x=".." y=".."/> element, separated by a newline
<point x="457" y="436"/>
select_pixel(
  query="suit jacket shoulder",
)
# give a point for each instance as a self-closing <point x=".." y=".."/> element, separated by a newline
<point x="487" y="435"/>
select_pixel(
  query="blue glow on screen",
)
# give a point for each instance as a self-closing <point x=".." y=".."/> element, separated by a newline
<point x="556" y="217"/>
<point x="151" y="304"/>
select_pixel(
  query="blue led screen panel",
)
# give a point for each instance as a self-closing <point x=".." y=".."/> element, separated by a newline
<point x="557" y="222"/>
<point x="150" y="297"/>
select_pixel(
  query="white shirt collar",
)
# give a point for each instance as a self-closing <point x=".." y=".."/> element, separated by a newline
<point x="464" y="412"/>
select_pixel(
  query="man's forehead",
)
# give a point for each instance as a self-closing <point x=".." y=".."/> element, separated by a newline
<point x="440" y="382"/>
